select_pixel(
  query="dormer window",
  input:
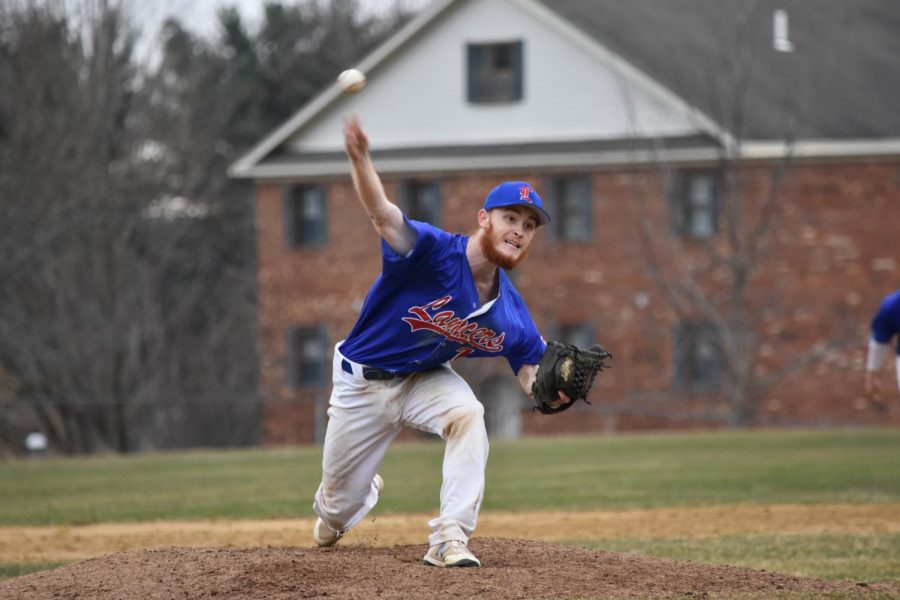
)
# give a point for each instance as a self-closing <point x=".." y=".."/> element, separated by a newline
<point x="495" y="72"/>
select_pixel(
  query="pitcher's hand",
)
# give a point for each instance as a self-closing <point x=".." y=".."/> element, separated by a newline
<point x="355" y="141"/>
<point x="563" y="400"/>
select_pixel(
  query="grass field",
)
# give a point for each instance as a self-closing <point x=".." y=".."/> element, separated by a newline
<point x="854" y="466"/>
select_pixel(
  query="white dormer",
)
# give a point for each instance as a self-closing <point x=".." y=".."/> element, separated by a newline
<point x="422" y="97"/>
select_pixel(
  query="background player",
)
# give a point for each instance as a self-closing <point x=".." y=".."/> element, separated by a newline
<point x="439" y="297"/>
<point x="885" y="326"/>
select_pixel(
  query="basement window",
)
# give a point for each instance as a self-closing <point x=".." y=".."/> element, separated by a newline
<point x="307" y="357"/>
<point x="579" y="334"/>
<point x="699" y="363"/>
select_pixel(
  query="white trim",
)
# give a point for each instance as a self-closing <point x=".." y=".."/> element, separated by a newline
<point x="486" y="307"/>
<point x="443" y="164"/>
<point x="243" y="166"/>
<point x="820" y="148"/>
<point x="756" y="150"/>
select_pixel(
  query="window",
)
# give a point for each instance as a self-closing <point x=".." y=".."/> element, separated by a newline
<point x="693" y="203"/>
<point x="699" y="364"/>
<point x="304" y="216"/>
<point x="420" y="201"/>
<point x="495" y="72"/>
<point x="580" y="334"/>
<point x="307" y="357"/>
<point x="569" y="202"/>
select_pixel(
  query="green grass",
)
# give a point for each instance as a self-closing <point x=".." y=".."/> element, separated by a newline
<point x="697" y="469"/>
<point x="574" y="473"/>
<point x="9" y="571"/>
<point x="184" y="485"/>
<point x="570" y="473"/>
<point x="869" y="558"/>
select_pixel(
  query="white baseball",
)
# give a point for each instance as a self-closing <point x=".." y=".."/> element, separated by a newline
<point x="351" y="81"/>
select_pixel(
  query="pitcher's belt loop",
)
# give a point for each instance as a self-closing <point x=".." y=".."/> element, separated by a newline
<point x="371" y="373"/>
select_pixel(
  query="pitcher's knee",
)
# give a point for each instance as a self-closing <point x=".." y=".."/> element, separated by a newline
<point x="463" y="419"/>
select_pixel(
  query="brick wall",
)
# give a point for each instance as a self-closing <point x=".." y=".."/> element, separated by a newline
<point x="830" y="254"/>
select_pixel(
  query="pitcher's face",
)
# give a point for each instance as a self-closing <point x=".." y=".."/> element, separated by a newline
<point x="506" y="235"/>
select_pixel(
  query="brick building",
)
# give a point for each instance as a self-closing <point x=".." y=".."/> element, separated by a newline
<point x="724" y="179"/>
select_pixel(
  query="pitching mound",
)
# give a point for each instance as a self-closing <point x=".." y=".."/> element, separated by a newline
<point x="512" y="569"/>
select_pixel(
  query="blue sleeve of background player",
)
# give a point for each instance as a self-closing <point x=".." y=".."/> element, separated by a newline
<point x="886" y="323"/>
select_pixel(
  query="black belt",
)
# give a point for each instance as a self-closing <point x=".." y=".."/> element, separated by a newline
<point x="372" y="373"/>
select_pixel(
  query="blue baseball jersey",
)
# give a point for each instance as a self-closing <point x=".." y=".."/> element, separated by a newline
<point x="423" y="311"/>
<point x="886" y="323"/>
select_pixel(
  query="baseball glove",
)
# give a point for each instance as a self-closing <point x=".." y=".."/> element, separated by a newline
<point x="567" y="368"/>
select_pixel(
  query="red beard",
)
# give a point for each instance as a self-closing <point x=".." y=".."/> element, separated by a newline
<point x="489" y="242"/>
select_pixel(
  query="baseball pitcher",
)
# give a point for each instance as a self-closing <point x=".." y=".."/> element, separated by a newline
<point x="439" y="297"/>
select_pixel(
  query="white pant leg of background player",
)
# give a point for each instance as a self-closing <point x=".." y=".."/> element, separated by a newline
<point x="877" y="354"/>
<point x="441" y="402"/>
<point x="363" y="419"/>
<point x="898" y="372"/>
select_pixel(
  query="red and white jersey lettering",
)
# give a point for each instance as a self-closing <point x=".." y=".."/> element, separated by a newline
<point x="453" y="328"/>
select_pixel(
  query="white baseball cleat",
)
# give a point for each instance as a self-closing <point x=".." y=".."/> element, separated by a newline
<point x="451" y="554"/>
<point x="325" y="536"/>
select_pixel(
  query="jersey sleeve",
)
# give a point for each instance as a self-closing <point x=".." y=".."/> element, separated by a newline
<point x="431" y="243"/>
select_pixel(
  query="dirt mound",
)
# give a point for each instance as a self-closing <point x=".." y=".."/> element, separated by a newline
<point x="512" y="569"/>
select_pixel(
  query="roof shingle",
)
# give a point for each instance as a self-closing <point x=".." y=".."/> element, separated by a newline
<point x="841" y="81"/>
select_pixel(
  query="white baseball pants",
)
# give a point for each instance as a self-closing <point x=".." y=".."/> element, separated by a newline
<point x="364" y="417"/>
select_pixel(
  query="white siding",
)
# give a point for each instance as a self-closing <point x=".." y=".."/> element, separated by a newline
<point x="418" y="97"/>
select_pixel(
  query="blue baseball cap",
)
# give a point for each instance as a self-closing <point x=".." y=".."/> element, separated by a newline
<point x="517" y="193"/>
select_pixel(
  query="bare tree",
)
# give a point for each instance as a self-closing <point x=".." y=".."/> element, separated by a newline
<point x="705" y="233"/>
<point x="127" y="263"/>
<point x="112" y="322"/>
